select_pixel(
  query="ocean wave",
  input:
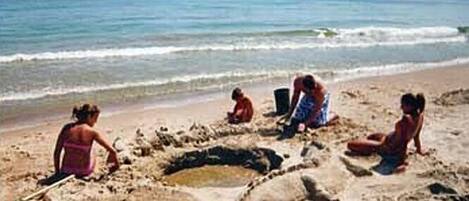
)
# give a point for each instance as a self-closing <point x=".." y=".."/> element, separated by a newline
<point x="205" y="78"/>
<point x="390" y="69"/>
<point x="223" y="79"/>
<point x="297" y="39"/>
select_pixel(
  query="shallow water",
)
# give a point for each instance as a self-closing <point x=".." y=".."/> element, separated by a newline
<point x="213" y="176"/>
<point x="56" y="54"/>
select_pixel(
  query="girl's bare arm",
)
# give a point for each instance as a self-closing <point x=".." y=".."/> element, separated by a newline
<point x="58" y="148"/>
<point x="417" y="142"/>
<point x="112" y="152"/>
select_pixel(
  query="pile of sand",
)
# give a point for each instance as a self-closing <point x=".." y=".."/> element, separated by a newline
<point x="451" y="98"/>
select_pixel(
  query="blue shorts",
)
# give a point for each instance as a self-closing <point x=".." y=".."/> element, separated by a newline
<point x="305" y="108"/>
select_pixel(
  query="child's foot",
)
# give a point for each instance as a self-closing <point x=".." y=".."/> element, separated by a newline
<point x="401" y="168"/>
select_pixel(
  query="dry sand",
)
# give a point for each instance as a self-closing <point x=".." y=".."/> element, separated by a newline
<point x="366" y="105"/>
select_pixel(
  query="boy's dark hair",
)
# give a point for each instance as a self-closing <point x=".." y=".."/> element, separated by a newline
<point x="236" y="93"/>
<point x="309" y="82"/>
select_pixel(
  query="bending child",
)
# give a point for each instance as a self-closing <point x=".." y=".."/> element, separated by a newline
<point x="313" y="109"/>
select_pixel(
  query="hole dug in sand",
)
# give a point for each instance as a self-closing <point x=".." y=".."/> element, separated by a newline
<point x="221" y="166"/>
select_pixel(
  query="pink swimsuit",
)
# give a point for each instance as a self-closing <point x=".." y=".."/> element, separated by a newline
<point x="77" y="159"/>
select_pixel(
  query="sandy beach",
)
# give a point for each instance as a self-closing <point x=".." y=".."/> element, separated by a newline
<point x="365" y="105"/>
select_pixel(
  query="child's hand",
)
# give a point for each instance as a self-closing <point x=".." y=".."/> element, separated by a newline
<point x="301" y="127"/>
<point x="112" y="162"/>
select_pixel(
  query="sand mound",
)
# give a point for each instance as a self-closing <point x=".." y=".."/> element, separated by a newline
<point x="451" y="98"/>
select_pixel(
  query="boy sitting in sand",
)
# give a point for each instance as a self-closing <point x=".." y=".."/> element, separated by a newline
<point x="393" y="147"/>
<point x="313" y="110"/>
<point x="77" y="139"/>
<point x="243" y="109"/>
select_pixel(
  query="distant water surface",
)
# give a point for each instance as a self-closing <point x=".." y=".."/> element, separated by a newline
<point x="58" y="53"/>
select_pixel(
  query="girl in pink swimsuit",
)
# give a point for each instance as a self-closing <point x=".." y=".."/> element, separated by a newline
<point x="76" y="139"/>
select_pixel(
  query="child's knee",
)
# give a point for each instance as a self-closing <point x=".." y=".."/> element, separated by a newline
<point x="351" y="145"/>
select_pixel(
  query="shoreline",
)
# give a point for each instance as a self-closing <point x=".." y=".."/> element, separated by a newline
<point x="182" y="99"/>
<point x="167" y="102"/>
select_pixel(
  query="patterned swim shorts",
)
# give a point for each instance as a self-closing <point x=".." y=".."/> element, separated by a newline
<point x="305" y="108"/>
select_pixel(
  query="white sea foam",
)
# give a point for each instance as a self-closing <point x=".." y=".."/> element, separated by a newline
<point x="338" y="75"/>
<point x="49" y="91"/>
<point x="390" y="69"/>
<point x="345" y="38"/>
